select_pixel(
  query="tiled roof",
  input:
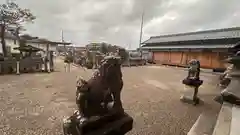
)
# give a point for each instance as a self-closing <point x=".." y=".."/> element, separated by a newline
<point x="45" y="41"/>
<point x="233" y="32"/>
<point x="190" y="47"/>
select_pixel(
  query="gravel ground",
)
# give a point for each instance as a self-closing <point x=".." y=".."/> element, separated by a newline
<point x="35" y="104"/>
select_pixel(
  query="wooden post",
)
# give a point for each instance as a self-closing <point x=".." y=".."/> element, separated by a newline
<point x="169" y="56"/>
<point x="181" y="58"/>
<point x="211" y="64"/>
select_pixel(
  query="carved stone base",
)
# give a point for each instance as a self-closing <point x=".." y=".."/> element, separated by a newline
<point x="192" y="82"/>
<point x="112" y="124"/>
<point x="189" y="100"/>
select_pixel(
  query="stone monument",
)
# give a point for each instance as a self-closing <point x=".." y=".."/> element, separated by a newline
<point x="192" y="83"/>
<point x="100" y="110"/>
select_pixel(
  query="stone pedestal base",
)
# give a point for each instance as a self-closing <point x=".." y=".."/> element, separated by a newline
<point x="112" y="124"/>
<point x="188" y="95"/>
<point x="189" y="100"/>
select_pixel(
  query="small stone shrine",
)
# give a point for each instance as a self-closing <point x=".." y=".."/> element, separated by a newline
<point x="231" y="93"/>
<point x="100" y="110"/>
<point x="192" y="83"/>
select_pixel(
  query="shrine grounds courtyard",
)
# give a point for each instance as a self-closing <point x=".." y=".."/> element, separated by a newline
<point x="35" y="104"/>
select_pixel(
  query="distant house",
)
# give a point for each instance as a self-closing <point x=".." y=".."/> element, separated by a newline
<point x="62" y="48"/>
<point x="93" y="46"/>
<point x="79" y="48"/>
<point x="11" y="42"/>
<point x="45" y="44"/>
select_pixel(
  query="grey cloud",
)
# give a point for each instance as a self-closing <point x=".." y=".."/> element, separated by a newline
<point x="202" y="14"/>
<point x="118" y="21"/>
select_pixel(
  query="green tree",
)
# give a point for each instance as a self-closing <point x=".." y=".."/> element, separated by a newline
<point x="12" y="18"/>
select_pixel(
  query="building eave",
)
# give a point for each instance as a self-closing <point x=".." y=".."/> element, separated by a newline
<point x="48" y="42"/>
<point x="190" y="47"/>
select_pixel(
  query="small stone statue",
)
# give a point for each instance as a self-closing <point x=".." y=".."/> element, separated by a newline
<point x="193" y="81"/>
<point x="225" y="79"/>
<point x="231" y="93"/>
<point x="99" y="101"/>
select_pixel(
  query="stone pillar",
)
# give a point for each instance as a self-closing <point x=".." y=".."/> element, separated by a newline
<point x="48" y="67"/>
<point x="18" y="58"/>
<point x="18" y="68"/>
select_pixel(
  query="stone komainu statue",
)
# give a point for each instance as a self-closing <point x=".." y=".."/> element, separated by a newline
<point x="193" y="80"/>
<point x="194" y="69"/>
<point x="100" y="110"/>
<point x="93" y="96"/>
<point x="193" y="77"/>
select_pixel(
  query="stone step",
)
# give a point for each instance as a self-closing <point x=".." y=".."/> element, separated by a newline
<point x="235" y="129"/>
<point x="223" y="123"/>
<point x="204" y="125"/>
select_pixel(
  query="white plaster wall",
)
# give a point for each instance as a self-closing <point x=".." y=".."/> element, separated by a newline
<point x="53" y="48"/>
<point x="10" y="42"/>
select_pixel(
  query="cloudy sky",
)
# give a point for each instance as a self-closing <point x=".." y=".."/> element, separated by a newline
<point x="118" y="21"/>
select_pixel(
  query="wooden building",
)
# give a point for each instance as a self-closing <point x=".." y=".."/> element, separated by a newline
<point x="210" y="47"/>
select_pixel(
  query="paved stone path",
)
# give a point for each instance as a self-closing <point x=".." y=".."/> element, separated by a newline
<point x="34" y="104"/>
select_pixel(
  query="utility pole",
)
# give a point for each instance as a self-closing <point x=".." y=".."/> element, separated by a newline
<point x="64" y="46"/>
<point x="140" y="40"/>
<point x="62" y="35"/>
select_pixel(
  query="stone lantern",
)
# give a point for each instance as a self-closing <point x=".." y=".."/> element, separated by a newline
<point x="231" y="93"/>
